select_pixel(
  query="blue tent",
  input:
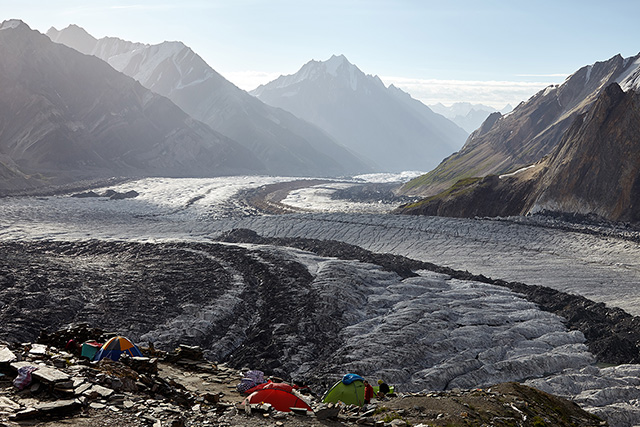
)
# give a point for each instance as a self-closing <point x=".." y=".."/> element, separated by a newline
<point x="113" y="348"/>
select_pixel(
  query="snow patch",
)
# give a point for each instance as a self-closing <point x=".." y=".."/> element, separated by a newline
<point x="11" y="24"/>
<point x="549" y="89"/>
<point x="630" y="79"/>
<point x="318" y="199"/>
<point x="516" y="172"/>
<point x="382" y="178"/>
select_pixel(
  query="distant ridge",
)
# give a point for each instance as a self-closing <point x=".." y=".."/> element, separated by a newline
<point x="67" y="116"/>
<point x="286" y="144"/>
<point x="392" y="129"/>
<point x="466" y="115"/>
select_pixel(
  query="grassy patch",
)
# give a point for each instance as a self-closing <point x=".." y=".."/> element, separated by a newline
<point x="462" y="186"/>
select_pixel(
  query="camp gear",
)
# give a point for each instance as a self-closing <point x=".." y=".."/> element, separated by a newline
<point x="271" y="384"/>
<point x="24" y="376"/>
<point x="349" y="378"/>
<point x="250" y="380"/>
<point x="115" y="347"/>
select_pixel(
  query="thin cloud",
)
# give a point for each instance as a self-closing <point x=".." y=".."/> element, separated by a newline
<point x="249" y="80"/>
<point x="493" y="93"/>
<point x="543" y="75"/>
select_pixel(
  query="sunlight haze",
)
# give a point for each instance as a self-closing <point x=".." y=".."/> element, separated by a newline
<point x="491" y="52"/>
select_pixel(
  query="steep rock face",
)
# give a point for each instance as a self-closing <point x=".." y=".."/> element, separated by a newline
<point x="65" y="115"/>
<point x="594" y="170"/>
<point x="530" y="132"/>
<point x="392" y="129"/>
<point x="286" y="144"/>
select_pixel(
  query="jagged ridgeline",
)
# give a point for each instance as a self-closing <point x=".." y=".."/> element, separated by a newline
<point x="594" y="170"/>
<point x="286" y="144"/>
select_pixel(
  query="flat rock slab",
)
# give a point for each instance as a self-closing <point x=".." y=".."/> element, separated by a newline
<point x="44" y="374"/>
<point x="98" y="391"/>
<point x="38" y="350"/>
<point x="8" y="404"/>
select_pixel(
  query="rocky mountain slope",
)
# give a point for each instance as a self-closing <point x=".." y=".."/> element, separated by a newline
<point x="595" y="170"/>
<point x="286" y="144"/>
<point x="392" y="129"/>
<point x="531" y="131"/>
<point x="65" y="116"/>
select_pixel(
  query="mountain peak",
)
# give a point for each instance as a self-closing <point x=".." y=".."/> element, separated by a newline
<point x="73" y="36"/>
<point x="361" y="113"/>
<point x="12" y="24"/>
<point x="335" y="62"/>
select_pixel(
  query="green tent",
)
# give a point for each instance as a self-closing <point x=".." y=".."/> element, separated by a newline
<point x="348" y="390"/>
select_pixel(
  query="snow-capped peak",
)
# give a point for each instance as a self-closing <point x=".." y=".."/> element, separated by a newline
<point x="337" y="67"/>
<point x="334" y="63"/>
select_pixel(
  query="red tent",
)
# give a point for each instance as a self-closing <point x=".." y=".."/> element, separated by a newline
<point x="271" y="384"/>
<point x="279" y="386"/>
<point x="280" y="400"/>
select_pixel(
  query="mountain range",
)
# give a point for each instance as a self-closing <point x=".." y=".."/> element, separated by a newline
<point x="385" y="124"/>
<point x="505" y="143"/>
<point x="286" y="144"/>
<point x="66" y="116"/>
<point x="594" y="170"/>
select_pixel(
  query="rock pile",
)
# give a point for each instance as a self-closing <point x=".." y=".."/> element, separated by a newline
<point x="134" y="390"/>
<point x="111" y="194"/>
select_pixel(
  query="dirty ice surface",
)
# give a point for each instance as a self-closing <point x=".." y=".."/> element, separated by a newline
<point x="601" y="267"/>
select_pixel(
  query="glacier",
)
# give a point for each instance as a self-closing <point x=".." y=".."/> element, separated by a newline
<point x="462" y="333"/>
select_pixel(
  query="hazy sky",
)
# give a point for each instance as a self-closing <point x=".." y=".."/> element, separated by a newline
<point x="493" y="52"/>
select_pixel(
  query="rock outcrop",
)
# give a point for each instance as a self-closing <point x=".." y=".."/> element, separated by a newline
<point x="180" y="388"/>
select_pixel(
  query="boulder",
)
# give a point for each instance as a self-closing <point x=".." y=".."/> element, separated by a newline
<point x="6" y="356"/>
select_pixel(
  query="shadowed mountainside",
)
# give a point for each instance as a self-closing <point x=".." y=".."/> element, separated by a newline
<point x="286" y="144"/>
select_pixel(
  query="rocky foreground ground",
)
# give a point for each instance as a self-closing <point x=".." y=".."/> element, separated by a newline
<point x="180" y="388"/>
